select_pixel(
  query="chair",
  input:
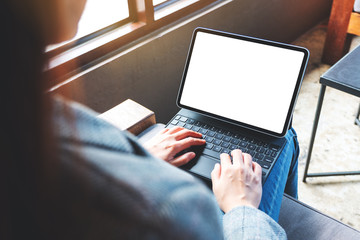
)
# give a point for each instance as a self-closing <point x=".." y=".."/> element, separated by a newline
<point x="343" y="20"/>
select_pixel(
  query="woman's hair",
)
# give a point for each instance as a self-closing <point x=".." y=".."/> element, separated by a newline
<point x="25" y="126"/>
<point x="35" y="203"/>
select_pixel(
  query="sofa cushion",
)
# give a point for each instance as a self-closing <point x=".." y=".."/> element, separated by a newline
<point x="301" y="221"/>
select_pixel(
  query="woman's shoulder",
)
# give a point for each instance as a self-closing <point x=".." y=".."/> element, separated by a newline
<point x="148" y="191"/>
<point x="74" y="122"/>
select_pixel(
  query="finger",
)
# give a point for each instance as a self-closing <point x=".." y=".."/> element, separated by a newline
<point x="215" y="174"/>
<point x="257" y="171"/>
<point x="247" y="160"/>
<point x="237" y="157"/>
<point x="225" y="160"/>
<point x="183" y="159"/>
<point x="164" y="130"/>
<point x="186" y="133"/>
<point x="188" y="142"/>
<point x="257" y="168"/>
<point x="175" y="129"/>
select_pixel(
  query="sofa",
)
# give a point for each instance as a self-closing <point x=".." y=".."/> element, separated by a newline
<point x="299" y="220"/>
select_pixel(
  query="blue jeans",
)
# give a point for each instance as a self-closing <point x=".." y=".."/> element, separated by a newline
<point x="282" y="178"/>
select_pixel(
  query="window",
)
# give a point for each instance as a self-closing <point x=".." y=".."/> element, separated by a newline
<point x="107" y="25"/>
<point x="158" y="2"/>
<point x="98" y="16"/>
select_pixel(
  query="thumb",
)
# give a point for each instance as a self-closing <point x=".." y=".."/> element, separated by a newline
<point x="215" y="173"/>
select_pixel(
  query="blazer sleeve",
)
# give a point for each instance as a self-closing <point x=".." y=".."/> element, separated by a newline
<point x="250" y="223"/>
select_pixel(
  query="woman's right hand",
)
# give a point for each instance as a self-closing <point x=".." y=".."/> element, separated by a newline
<point x="170" y="142"/>
<point x="237" y="183"/>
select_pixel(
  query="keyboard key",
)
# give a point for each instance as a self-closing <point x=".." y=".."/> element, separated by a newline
<point x="268" y="152"/>
<point x="235" y="141"/>
<point x="217" y="149"/>
<point x="269" y="159"/>
<point x="209" y="139"/>
<point x="199" y="124"/>
<point x="188" y="126"/>
<point x="205" y="126"/>
<point x="274" y="148"/>
<point x="273" y="154"/>
<point x="260" y="149"/>
<point x="190" y="121"/>
<point x="244" y="139"/>
<point x="259" y="156"/>
<point x="217" y="142"/>
<point x="219" y="136"/>
<point x="243" y="144"/>
<point x="225" y="144"/>
<point x="251" y="152"/>
<point x="213" y="129"/>
<point x="211" y="134"/>
<point x="226" y="151"/>
<point x="227" y="139"/>
<point x="266" y="166"/>
<point x="195" y="128"/>
<point x="229" y="134"/>
<point x="177" y="117"/>
<point x="170" y="126"/>
<point x="233" y="147"/>
<point x="203" y="131"/>
<point x="244" y="150"/>
<point x="174" y="122"/>
<point x="209" y="145"/>
<point x="181" y="124"/>
<point x="183" y="119"/>
<point x="252" y="147"/>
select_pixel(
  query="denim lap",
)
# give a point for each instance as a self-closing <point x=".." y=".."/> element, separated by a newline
<point x="282" y="178"/>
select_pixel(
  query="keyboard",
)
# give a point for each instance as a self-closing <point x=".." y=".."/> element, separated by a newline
<point x="220" y="140"/>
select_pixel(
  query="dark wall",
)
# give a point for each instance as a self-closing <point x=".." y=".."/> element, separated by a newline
<point x="151" y="72"/>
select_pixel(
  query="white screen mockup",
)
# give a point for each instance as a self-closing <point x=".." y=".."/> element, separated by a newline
<point x="241" y="80"/>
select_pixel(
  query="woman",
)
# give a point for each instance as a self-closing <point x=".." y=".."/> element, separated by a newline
<point x="68" y="175"/>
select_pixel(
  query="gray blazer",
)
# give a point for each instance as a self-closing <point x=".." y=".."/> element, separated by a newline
<point x="120" y="191"/>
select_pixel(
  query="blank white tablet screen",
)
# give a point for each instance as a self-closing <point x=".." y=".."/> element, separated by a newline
<point x="240" y="80"/>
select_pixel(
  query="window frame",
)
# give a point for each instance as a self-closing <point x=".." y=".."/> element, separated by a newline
<point x="141" y="22"/>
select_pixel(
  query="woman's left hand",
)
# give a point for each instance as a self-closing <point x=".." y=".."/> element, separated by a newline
<point x="169" y="142"/>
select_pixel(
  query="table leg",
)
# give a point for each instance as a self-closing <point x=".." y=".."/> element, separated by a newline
<point x="357" y="120"/>
<point x="313" y="133"/>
